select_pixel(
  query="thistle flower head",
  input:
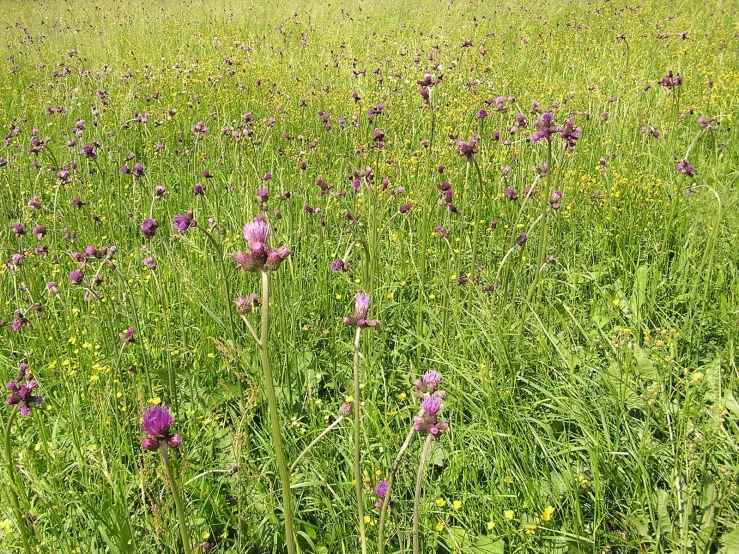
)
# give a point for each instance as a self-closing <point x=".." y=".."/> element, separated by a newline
<point x="256" y="231"/>
<point x="21" y="391"/>
<point x="361" y="309"/>
<point x="156" y="422"/>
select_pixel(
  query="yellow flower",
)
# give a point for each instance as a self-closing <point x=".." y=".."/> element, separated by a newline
<point x="491" y="525"/>
<point x="509" y="515"/>
<point x="440" y="526"/>
<point x="548" y="513"/>
<point x="156" y="400"/>
<point x="457" y="505"/>
<point x="440" y="502"/>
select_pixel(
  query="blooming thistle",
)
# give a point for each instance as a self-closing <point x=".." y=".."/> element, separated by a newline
<point x="21" y="391"/>
<point x="555" y="198"/>
<point x="361" y="307"/>
<point x="468" y="149"/>
<point x="381" y="491"/>
<point x="156" y="422"/>
<point x="182" y="223"/>
<point x="685" y="168"/>
<point x="149" y="228"/>
<point x="431" y="403"/>
<point x="76" y="276"/>
<point x="570" y="134"/>
<point x="546" y="128"/>
<point x="260" y="256"/>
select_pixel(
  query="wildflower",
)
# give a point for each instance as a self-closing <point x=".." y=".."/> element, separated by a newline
<point x="361" y="308"/>
<point x="570" y="134"/>
<point x="522" y="238"/>
<point x="509" y="515"/>
<point x="381" y="491"/>
<point x="149" y="228"/>
<point x="345" y="410"/>
<point x="511" y="193"/>
<point x="157" y="421"/>
<point x="555" y="198"/>
<point x="18" y="230"/>
<point x="40" y="231"/>
<point x="198" y="190"/>
<point x="35" y="202"/>
<point x="685" y="168"/>
<point x="21" y="391"/>
<point x="671" y="81"/>
<point x="127" y="336"/>
<point x="339" y="265"/>
<point x="405" y="208"/>
<point x="546" y="127"/>
<point x="246" y="304"/>
<point x="76" y="276"/>
<point x="149" y="263"/>
<point x="468" y="149"/>
<point x="182" y="223"/>
<point x="547" y="514"/>
<point x="260" y="256"/>
<point x="89" y="151"/>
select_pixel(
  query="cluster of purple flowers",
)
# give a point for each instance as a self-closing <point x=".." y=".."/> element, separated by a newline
<point x="260" y="256"/>
<point x="21" y="391"/>
<point x="182" y="223"/>
<point x="468" y="149"/>
<point x="431" y="397"/>
<point x="671" y="81"/>
<point x="446" y="195"/>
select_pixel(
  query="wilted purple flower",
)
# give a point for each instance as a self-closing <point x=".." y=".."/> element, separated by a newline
<point x="468" y="149"/>
<point x="570" y="134"/>
<point x="157" y="421"/>
<point x="149" y="228"/>
<point x="246" y="304"/>
<point x="127" y="336"/>
<point x="405" y="208"/>
<point x="522" y="238"/>
<point x="555" y="198"/>
<point x="339" y="265"/>
<point x="511" y="193"/>
<point x="361" y="309"/>
<point x="345" y="410"/>
<point x="77" y="203"/>
<point x="685" y="168"/>
<point x="21" y="391"/>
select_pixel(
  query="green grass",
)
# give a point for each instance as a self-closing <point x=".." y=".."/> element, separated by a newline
<point x="603" y="384"/>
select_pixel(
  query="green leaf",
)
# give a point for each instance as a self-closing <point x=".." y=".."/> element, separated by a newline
<point x="729" y="542"/>
<point x="663" y="516"/>
<point x="485" y="544"/>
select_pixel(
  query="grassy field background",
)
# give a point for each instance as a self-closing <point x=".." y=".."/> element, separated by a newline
<point x="590" y="370"/>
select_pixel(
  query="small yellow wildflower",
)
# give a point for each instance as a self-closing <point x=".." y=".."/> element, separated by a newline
<point x="548" y="513"/>
<point x="509" y="515"/>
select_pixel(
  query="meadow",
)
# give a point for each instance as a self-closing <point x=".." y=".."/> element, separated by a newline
<point x="325" y="277"/>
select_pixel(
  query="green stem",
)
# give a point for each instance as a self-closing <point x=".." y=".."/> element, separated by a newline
<point x="163" y="450"/>
<point x="390" y="481"/>
<point x="315" y="441"/>
<point x="419" y="487"/>
<point x="274" y="419"/>
<point x="357" y="444"/>
<point x="13" y="490"/>
<point x="222" y="265"/>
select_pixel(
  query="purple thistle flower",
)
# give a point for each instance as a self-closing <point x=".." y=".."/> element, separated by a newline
<point x="405" y="208"/>
<point x="685" y="168"/>
<point x="39" y="231"/>
<point x="339" y="265"/>
<point x="256" y="232"/>
<point x="157" y="421"/>
<point x="18" y="230"/>
<point x="76" y="276"/>
<point x="431" y="405"/>
<point x="522" y="238"/>
<point x="149" y="228"/>
<point x="361" y="309"/>
<point x="89" y="151"/>
<point x="570" y="134"/>
<point x="546" y="128"/>
<point x="182" y="223"/>
<point x="198" y="190"/>
<point x="511" y="193"/>
<point x="127" y="336"/>
<point x="345" y="410"/>
<point x="468" y="149"/>
<point x="149" y="263"/>
<point x="21" y="393"/>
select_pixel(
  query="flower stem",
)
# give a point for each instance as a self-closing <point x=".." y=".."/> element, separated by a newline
<point x="13" y="489"/>
<point x="274" y="419"/>
<point x="164" y="451"/>
<point x="222" y="265"/>
<point x="390" y="481"/>
<point x="357" y="445"/>
<point x="315" y="441"/>
<point x="419" y="487"/>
